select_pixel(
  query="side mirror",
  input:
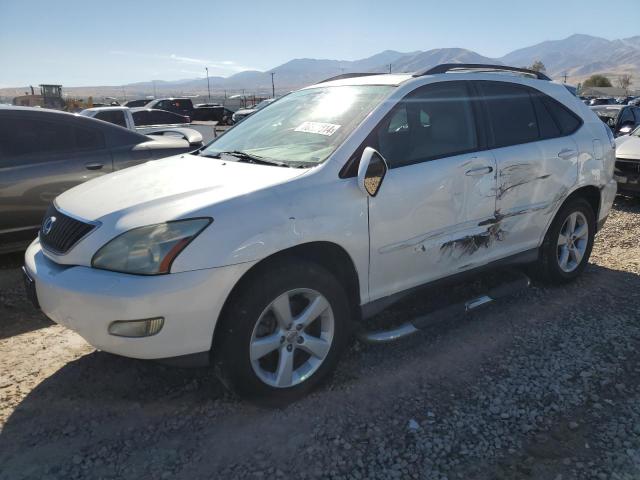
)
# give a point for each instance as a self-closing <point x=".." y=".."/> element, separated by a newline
<point x="371" y="171"/>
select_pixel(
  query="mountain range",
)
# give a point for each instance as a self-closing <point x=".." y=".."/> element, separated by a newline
<point x="577" y="56"/>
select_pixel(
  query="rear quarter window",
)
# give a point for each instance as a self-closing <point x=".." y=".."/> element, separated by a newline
<point x="567" y="121"/>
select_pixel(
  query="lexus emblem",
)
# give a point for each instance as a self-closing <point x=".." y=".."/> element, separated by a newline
<point x="48" y="225"/>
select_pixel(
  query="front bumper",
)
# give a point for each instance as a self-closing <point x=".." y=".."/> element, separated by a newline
<point x="87" y="300"/>
<point x="627" y="174"/>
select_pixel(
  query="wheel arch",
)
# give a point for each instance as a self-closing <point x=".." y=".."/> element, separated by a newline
<point x="329" y="255"/>
<point x="591" y="194"/>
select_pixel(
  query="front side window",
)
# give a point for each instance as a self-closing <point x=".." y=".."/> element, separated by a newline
<point x="23" y="136"/>
<point x="304" y="127"/>
<point x="432" y="122"/>
<point x="141" y="118"/>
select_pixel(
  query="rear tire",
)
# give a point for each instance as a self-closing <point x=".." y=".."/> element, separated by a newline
<point x="567" y="245"/>
<point x="282" y="332"/>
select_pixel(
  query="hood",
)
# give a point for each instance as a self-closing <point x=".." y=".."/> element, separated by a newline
<point x="628" y="147"/>
<point x="166" y="189"/>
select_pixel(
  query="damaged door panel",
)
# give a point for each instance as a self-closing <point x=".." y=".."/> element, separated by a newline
<point x="535" y="161"/>
<point x="440" y="186"/>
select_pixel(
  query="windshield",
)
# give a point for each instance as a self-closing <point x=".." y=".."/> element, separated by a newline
<point x="303" y="128"/>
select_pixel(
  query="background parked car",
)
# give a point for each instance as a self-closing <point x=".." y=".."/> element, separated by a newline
<point x="183" y="106"/>
<point x="245" y="112"/>
<point x="45" y="152"/>
<point x="213" y="113"/>
<point x="148" y="122"/>
<point x="601" y="101"/>
<point x="622" y="119"/>
<point x="627" y="170"/>
<point x="136" y="103"/>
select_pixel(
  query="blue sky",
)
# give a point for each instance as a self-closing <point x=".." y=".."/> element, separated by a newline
<point x="114" y="42"/>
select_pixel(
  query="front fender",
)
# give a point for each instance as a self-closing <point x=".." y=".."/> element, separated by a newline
<point x="258" y="225"/>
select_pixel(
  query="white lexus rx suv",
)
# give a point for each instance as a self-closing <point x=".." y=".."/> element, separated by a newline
<point x="258" y="252"/>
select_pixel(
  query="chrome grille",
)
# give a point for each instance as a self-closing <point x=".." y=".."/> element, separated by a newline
<point x="60" y="232"/>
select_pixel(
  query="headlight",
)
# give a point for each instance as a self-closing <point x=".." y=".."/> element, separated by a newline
<point x="148" y="250"/>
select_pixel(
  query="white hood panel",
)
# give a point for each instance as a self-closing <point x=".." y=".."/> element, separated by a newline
<point x="176" y="184"/>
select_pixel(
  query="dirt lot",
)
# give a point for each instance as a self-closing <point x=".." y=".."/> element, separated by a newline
<point x="541" y="386"/>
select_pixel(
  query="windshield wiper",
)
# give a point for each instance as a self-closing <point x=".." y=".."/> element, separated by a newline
<point x="248" y="157"/>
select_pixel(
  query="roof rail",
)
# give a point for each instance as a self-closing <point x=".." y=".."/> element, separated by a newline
<point x="447" y="67"/>
<point x="348" y="75"/>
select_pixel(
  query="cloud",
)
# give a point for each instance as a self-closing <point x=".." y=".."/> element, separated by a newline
<point x="215" y="66"/>
<point x="196" y="61"/>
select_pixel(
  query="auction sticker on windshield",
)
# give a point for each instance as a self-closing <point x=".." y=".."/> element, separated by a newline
<point x="320" y="128"/>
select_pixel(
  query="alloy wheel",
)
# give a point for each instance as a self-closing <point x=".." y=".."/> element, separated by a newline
<point x="292" y="338"/>
<point x="572" y="241"/>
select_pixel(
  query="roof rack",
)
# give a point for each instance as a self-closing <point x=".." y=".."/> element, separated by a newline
<point x="348" y="75"/>
<point x="447" y="67"/>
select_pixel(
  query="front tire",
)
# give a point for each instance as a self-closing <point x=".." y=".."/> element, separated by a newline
<point x="282" y="332"/>
<point x="567" y="245"/>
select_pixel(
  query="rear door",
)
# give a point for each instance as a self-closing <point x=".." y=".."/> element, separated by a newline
<point x="39" y="159"/>
<point x="427" y="220"/>
<point x="537" y="160"/>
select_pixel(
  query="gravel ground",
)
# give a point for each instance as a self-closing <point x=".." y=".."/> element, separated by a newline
<point x="541" y="386"/>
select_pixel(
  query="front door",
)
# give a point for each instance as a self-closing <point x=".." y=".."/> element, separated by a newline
<point x="429" y="218"/>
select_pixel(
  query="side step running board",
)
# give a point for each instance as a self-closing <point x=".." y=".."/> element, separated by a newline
<point x="521" y="282"/>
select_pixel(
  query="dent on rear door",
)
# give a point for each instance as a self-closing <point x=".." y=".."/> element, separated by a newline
<point x="533" y="179"/>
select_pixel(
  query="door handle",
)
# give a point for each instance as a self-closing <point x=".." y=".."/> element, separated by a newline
<point x="93" y="166"/>
<point x="478" y="171"/>
<point x="567" y="153"/>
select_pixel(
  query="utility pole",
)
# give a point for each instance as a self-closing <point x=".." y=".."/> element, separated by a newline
<point x="389" y="68"/>
<point x="273" y="87"/>
<point x="565" y="77"/>
<point x="208" y="89"/>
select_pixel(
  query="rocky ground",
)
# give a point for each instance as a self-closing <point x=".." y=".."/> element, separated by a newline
<point x="541" y="386"/>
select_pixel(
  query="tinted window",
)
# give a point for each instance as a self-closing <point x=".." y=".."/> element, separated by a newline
<point x="567" y="121"/>
<point x="141" y="118"/>
<point x="88" y="138"/>
<point x="181" y="104"/>
<point x="163" y="105"/>
<point x="22" y="136"/>
<point x="626" y="116"/>
<point x="112" y="116"/>
<point x="432" y="122"/>
<point x="511" y="113"/>
<point x="547" y="125"/>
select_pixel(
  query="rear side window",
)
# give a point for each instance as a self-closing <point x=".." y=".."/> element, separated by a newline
<point x="24" y="136"/>
<point x="112" y="116"/>
<point x="511" y="113"/>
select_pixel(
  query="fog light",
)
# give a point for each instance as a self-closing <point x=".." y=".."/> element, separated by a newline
<point x="136" y="328"/>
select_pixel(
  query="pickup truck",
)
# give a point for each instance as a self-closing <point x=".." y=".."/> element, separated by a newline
<point x="147" y="122"/>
